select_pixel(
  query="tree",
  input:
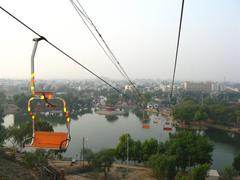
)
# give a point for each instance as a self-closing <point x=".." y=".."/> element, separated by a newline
<point x="21" y="101"/>
<point x="185" y="111"/>
<point x="35" y="159"/>
<point x="88" y="155"/>
<point x="1" y="113"/>
<point x="236" y="162"/>
<point x="149" y="147"/>
<point x="229" y="173"/>
<point x="3" y="134"/>
<point x="222" y="113"/>
<point x="121" y="148"/>
<point x="182" y="176"/>
<point x="112" y="98"/>
<point x="2" y="97"/>
<point x="163" y="166"/>
<point x="103" y="160"/>
<point x="137" y="154"/>
<point x="200" y="172"/>
<point x="189" y="149"/>
<point x="18" y="134"/>
<point x="199" y="115"/>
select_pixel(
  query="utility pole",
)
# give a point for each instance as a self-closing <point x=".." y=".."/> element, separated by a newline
<point x="83" y="142"/>
<point x="127" y="151"/>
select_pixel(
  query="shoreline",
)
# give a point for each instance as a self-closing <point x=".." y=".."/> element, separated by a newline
<point x="206" y="125"/>
<point x="202" y="125"/>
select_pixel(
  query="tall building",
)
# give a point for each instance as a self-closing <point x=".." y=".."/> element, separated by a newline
<point x="198" y="86"/>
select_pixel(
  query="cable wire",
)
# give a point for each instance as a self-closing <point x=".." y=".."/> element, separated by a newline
<point x="176" y="55"/>
<point x="61" y="51"/>
<point x="84" y="16"/>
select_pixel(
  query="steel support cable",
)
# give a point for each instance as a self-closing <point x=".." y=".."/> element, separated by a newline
<point x="79" y="13"/>
<point x="64" y="53"/>
<point x="113" y="58"/>
<point x="110" y="51"/>
<point x="176" y="55"/>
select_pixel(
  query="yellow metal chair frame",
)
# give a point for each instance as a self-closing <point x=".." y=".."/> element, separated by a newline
<point x="44" y="139"/>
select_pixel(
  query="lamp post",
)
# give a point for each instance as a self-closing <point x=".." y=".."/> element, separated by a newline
<point x="127" y="151"/>
<point x="83" y="144"/>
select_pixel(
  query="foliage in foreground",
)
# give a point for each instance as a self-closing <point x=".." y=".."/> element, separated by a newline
<point x="17" y="134"/>
<point x="236" y="162"/>
<point x="103" y="160"/>
<point x="36" y="159"/>
<point x="3" y="134"/>
<point x="163" y="166"/>
<point x="229" y="173"/>
<point x="200" y="172"/>
<point x="184" y="151"/>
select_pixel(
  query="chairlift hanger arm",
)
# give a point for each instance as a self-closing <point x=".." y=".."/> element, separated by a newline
<point x="36" y="40"/>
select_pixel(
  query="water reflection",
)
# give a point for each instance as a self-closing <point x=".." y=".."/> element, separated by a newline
<point x="111" y="119"/>
<point x="103" y="132"/>
<point x="223" y="137"/>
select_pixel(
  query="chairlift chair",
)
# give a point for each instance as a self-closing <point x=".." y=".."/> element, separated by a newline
<point x="45" y="139"/>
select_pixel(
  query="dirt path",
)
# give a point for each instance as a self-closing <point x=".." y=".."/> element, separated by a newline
<point x="117" y="172"/>
<point x="10" y="170"/>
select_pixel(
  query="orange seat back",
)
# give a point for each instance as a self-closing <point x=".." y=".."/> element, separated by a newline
<point x="145" y="126"/>
<point x="50" y="140"/>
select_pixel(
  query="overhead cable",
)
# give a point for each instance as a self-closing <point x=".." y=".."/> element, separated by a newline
<point x="109" y="53"/>
<point x="63" y="52"/>
<point x="176" y="55"/>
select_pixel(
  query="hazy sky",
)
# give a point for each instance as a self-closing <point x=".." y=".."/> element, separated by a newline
<point x="142" y="34"/>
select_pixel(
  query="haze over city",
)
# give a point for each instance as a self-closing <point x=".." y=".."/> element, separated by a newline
<point x="121" y="90"/>
<point x="142" y="34"/>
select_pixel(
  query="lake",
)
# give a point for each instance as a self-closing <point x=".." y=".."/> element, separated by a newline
<point x="104" y="133"/>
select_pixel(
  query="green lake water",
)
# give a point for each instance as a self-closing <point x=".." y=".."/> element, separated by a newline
<point x="102" y="133"/>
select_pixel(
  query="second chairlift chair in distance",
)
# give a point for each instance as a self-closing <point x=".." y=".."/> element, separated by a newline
<point x="45" y="139"/>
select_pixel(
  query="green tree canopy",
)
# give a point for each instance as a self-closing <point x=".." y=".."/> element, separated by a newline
<point x="103" y="160"/>
<point x="163" y="166"/>
<point x="137" y="152"/>
<point x="189" y="149"/>
<point x="199" y="115"/>
<point x="1" y="114"/>
<point x="88" y="155"/>
<point x="230" y="172"/>
<point x="17" y="134"/>
<point x="21" y="101"/>
<point x="3" y="134"/>
<point x="200" y="172"/>
<point x="185" y="111"/>
<point x="121" y="148"/>
<point x="149" y="147"/>
<point x="35" y="159"/>
<point x="236" y="162"/>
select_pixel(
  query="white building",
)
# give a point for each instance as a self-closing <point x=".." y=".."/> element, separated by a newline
<point x="128" y="88"/>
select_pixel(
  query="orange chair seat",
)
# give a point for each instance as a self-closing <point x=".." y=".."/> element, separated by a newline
<point x="50" y="140"/>
<point x="145" y="126"/>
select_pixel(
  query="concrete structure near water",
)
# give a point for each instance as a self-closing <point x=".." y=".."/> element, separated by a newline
<point x="213" y="175"/>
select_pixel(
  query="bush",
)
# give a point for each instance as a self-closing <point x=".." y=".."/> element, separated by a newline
<point x="200" y="172"/>
<point x="236" y="162"/>
<point x="35" y="159"/>
<point x="163" y="166"/>
<point x="229" y="172"/>
<point x="3" y="134"/>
